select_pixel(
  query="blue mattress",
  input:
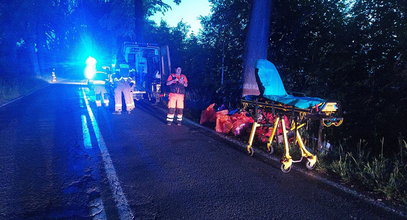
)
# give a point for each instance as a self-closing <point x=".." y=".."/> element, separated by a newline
<point x="274" y="87"/>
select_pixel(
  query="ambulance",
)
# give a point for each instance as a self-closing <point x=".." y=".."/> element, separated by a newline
<point x="149" y="65"/>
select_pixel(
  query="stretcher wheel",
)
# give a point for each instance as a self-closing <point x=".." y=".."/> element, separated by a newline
<point x="250" y="151"/>
<point x="285" y="170"/>
<point x="308" y="165"/>
<point x="271" y="150"/>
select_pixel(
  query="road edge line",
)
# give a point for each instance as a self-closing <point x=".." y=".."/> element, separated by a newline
<point x="122" y="204"/>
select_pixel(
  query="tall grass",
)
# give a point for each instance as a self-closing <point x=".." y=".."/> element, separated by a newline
<point x="385" y="176"/>
<point x="11" y="88"/>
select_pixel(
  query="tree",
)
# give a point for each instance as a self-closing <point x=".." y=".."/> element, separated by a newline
<point x="256" y="44"/>
<point x="223" y="38"/>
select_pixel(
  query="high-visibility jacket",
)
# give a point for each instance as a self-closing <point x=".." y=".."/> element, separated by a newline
<point x="177" y="87"/>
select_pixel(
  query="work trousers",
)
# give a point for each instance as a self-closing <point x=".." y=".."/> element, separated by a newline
<point x="128" y="97"/>
<point x="101" y="95"/>
<point x="175" y="105"/>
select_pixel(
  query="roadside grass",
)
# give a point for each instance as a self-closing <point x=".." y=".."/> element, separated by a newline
<point x="11" y="88"/>
<point x="8" y="90"/>
<point x="385" y="176"/>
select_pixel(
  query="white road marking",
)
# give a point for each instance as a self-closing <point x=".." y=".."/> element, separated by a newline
<point x="118" y="194"/>
<point x="97" y="209"/>
<point x="85" y="131"/>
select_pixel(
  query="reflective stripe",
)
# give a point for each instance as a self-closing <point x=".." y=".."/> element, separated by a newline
<point x="170" y="117"/>
<point x="98" y="82"/>
<point x="118" y="107"/>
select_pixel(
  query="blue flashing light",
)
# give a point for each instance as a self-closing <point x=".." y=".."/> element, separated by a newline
<point x="91" y="61"/>
<point x="90" y="69"/>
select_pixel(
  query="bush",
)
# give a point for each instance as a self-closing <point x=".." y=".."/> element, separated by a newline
<point x="11" y="88"/>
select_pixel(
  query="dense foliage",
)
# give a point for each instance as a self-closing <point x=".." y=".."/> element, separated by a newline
<point x="350" y="51"/>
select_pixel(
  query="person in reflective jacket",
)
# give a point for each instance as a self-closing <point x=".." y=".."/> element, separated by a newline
<point x="100" y="84"/>
<point x="123" y="84"/>
<point x="177" y="83"/>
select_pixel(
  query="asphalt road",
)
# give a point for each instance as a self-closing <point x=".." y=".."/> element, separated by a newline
<point x="63" y="158"/>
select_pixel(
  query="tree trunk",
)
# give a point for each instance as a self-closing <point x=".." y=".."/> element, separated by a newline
<point x="33" y="57"/>
<point x="138" y="20"/>
<point x="40" y="42"/>
<point x="256" y="44"/>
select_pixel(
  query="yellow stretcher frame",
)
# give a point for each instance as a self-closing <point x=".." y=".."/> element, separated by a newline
<point x="324" y="115"/>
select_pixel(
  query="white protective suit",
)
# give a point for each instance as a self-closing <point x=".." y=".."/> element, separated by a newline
<point x="123" y="84"/>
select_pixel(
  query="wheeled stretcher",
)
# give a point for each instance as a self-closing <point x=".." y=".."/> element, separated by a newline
<point x="291" y="115"/>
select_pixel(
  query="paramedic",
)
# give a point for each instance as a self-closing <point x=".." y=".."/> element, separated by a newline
<point x="177" y="83"/>
<point x="123" y="84"/>
<point x="100" y="82"/>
